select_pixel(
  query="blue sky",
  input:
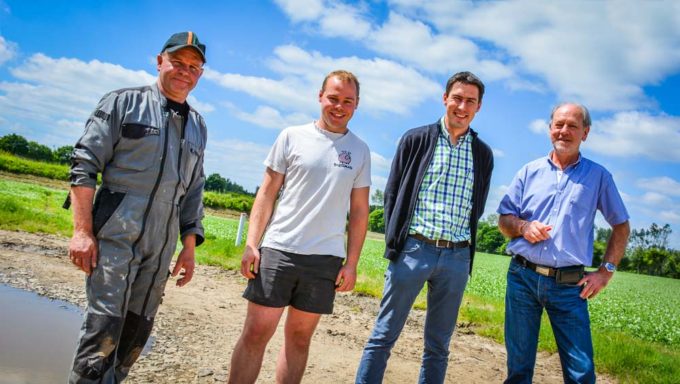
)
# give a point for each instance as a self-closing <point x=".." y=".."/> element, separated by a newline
<point x="266" y="61"/>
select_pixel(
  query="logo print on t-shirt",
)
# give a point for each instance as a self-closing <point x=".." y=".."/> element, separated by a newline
<point x="345" y="157"/>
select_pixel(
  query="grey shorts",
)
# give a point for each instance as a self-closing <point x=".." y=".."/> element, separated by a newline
<point x="306" y="282"/>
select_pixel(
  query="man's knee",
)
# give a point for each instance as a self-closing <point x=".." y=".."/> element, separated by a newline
<point x="300" y="328"/>
<point x="95" y="349"/>
<point x="136" y="332"/>
<point x="299" y="339"/>
<point x="260" y="325"/>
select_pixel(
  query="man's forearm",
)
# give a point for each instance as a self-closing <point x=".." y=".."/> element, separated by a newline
<point x="263" y="207"/>
<point x="512" y="226"/>
<point x="358" y="224"/>
<point x="259" y="217"/>
<point x="189" y="241"/>
<point x="356" y="234"/>
<point x="81" y="203"/>
<point x="616" y="247"/>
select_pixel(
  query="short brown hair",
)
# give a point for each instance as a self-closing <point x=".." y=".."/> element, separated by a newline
<point x="343" y="76"/>
<point x="466" y="78"/>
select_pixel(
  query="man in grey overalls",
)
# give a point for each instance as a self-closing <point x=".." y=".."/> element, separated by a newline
<point x="148" y="144"/>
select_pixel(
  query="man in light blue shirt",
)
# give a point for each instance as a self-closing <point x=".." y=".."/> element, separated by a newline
<point x="549" y="212"/>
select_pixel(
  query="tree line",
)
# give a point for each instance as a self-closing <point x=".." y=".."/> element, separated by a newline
<point x="19" y="146"/>
<point x="647" y="252"/>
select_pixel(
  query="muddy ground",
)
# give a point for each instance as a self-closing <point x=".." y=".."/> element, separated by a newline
<point x="198" y="325"/>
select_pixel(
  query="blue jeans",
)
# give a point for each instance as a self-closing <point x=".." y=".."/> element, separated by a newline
<point x="526" y="295"/>
<point x="446" y="272"/>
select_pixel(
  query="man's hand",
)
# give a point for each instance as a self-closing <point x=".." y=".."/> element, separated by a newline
<point x="594" y="282"/>
<point x="346" y="279"/>
<point x="184" y="266"/>
<point x="535" y="231"/>
<point x="82" y="250"/>
<point x="250" y="262"/>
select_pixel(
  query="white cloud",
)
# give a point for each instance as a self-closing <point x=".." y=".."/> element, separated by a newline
<point x="663" y="184"/>
<point x="201" y="107"/>
<point x="378" y="182"/>
<point x="52" y="90"/>
<point x="408" y="40"/>
<point x="380" y="169"/>
<point x="494" y="199"/>
<point x="600" y="53"/>
<point x="379" y="163"/>
<point x="330" y="18"/>
<point x="89" y="79"/>
<point x="268" y="117"/>
<point x="8" y="50"/>
<point x="237" y="160"/>
<point x="655" y="198"/>
<point x="670" y="216"/>
<point x="340" y="20"/>
<point x="652" y="207"/>
<point x="301" y="10"/>
<point x="637" y="134"/>
<point x="539" y="126"/>
<point x="498" y="152"/>
<point x="414" y="42"/>
<point x="64" y="90"/>
<point x="288" y="92"/>
<point x="302" y="74"/>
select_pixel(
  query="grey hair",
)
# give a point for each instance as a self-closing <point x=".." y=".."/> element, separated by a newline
<point x="584" y="112"/>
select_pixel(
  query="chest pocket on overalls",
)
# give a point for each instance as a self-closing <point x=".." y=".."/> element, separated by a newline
<point x="190" y="155"/>
<point x="138" y="146"/>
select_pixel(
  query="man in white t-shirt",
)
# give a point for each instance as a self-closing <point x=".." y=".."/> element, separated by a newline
<point x="322" y="171"/>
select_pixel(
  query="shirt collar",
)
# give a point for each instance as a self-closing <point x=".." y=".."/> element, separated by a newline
<point x="578" y="161"/>
<point x="445" y="132"/>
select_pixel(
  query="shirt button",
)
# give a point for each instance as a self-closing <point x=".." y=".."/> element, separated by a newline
<point x="545" y="248"/>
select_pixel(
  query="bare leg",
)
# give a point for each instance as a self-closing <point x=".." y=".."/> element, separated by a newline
<point x="300" y="326"/>
<point x="259" y="327"/>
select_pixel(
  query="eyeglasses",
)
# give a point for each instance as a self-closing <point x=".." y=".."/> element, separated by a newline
<point x="192" y="69"/>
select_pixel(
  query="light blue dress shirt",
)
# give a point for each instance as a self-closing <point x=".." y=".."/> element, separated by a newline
<point x="568" y="204"/>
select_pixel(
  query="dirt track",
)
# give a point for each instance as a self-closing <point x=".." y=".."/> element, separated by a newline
<point x="199" y="324"/>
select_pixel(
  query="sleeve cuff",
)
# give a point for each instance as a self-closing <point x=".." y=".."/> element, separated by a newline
<point x="195" y="229"/>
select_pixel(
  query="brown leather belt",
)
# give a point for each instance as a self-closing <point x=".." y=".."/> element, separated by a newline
<point x="441" y="243"/>
<point x="540" y="269"/>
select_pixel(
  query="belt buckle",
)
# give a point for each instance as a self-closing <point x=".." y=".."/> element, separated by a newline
<point x="436" y="243"/>
<point x="542" y="270"/>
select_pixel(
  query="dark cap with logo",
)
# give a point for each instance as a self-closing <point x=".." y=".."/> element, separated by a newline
<point x="182" y="40"/>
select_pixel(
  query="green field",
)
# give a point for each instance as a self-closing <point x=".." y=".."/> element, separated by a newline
<point x="635" y="320"/>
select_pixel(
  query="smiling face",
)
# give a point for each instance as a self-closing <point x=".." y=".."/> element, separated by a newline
<point x="338" y="101"/>
<point x="567" y="131"/>
<point x="178" y="73"/>
<point x="462" y="104"/>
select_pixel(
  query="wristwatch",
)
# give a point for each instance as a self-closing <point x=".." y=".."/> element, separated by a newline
<point x="609" y="267"/>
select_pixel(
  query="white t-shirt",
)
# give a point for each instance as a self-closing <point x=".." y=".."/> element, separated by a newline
<point x="321" y="168"/>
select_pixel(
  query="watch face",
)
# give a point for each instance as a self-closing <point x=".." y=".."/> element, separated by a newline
<point x="609" y="267"/>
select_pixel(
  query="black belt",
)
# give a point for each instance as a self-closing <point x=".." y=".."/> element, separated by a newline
<point x="540" y="269"/>
<point x="442" y="243"/>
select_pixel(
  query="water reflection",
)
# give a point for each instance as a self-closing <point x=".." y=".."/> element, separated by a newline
<point x="37" y="337"/>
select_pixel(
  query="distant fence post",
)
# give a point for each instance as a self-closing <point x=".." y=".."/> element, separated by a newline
<point x="241" y="224"/>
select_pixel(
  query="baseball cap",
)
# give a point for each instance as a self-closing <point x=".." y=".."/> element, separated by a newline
<point x="184" y="39"/>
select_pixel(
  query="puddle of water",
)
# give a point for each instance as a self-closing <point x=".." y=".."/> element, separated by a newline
<point x="38" y="337"/>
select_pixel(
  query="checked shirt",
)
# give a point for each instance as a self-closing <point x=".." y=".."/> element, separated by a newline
<point x="445" y="197"/>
